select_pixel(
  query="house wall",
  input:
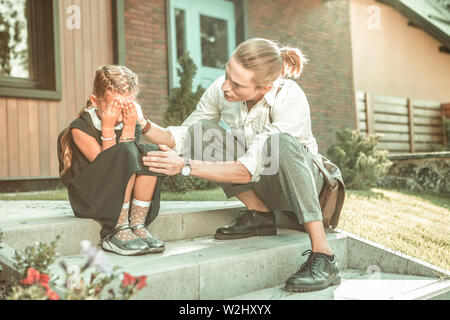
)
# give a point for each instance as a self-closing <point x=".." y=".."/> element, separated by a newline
<point x="396" y="59"/>
<point x="320" y="28"/>
<point x="29" y="128"/>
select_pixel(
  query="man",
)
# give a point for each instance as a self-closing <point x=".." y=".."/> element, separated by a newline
<point x="266" y="114"/>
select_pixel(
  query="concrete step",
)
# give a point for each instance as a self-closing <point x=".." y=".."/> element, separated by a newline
<point x="359" y="285"/>
<point x="197" y="266"/>
<point x="26" y="222"/>
<point x="206" y="268"/>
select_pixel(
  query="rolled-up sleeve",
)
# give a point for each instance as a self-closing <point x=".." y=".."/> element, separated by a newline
<point x="253" y="158"/>
<point x="207" y="108"/>
<point x="291" y="114"/>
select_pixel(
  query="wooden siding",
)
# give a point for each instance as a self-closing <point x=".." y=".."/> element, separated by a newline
<point x="405" y="125"/>
<point x="29" y="128"/>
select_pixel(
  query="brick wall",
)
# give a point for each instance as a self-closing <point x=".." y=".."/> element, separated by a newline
<point x="147" y="53"/>
<point x="320" y="28"/>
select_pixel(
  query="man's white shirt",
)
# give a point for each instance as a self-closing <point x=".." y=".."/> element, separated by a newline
<point x="288" y="108"/>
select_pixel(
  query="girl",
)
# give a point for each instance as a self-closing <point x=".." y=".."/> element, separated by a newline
<point x="100" y="164"/>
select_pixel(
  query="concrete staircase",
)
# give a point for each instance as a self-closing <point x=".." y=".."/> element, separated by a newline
<point x="197" y="266"/>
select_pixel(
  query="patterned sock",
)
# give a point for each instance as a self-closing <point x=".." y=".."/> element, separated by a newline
<point x="124" y="235"/>
<point x="138" y="214"/>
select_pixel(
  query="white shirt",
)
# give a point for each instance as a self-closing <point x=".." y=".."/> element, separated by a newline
<point x="289" y="110"/>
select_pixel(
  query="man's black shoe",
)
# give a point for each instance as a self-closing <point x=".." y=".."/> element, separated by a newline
<point x="249" y="223"/>
<point x="317" y="273"/>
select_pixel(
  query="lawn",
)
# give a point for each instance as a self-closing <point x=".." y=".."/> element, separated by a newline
<point x="414" y="223"/>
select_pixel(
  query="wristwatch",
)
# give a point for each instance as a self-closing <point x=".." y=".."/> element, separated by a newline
<point x="186" y="170"/>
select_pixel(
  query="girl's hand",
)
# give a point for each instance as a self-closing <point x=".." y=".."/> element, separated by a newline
<point x="129" y="114"/>
<point x="111" y="114"/>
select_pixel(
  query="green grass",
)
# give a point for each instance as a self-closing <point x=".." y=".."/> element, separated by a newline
<point x="417" y="224"/>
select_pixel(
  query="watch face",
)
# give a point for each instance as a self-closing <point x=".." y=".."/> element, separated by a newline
<point x="186" y="171"/>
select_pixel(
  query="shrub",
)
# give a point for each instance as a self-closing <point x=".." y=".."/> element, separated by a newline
<point x="182" y="101"/>
<point x="438" y="147"/>
<point x="360" y="163"/>
<point x="38" y="258"/>
<point x="36" y="285"/>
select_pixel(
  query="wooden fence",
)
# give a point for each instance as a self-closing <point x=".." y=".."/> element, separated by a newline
<point x="405" y="125"/>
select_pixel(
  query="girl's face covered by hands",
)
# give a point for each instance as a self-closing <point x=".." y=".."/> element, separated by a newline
<point x="115" y="101"/>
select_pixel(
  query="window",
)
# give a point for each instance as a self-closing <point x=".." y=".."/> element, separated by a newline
<point x="29" y="58"/>
<point x="207" y="30"/>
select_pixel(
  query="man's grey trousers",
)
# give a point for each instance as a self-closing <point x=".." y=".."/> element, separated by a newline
<point x="294" y="187"/>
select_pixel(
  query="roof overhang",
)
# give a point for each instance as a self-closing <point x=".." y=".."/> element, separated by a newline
<point x="433" y="16"/>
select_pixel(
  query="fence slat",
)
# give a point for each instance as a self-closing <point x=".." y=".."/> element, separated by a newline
<point x="369" y="114"/>
<point x="394" y="109"/>
<point x="389" y="118"/>
<point x="394" y="128"/>
<point x="378" y="98"/>
<point x="426" y="104"/>
<point x="428" y="121"/>
<point x="427" y="113"/>
<point x="412" y="147"/>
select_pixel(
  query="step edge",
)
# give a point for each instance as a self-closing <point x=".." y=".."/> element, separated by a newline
<point x="427" y="269"/>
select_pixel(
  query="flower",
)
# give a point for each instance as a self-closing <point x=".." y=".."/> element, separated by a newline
<point x="139" y="282"/>
<point x="34" y="276"/>
<point x="52" y="295"/>
<point x="97" y="258"/>
<point x="128" y="279"/>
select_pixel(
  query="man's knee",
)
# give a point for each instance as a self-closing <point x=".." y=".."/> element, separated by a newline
<point x="281" y="148"/>
<point x="203" y="124"/>
<point x="281" y="143"/>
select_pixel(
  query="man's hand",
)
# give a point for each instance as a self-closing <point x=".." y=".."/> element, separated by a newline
<point x="166" y="161"/>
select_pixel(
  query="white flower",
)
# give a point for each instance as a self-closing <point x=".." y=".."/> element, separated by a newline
<point x="96" y="257"/>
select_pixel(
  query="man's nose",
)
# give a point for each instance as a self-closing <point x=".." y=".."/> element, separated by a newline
<point x="226" y="86"/>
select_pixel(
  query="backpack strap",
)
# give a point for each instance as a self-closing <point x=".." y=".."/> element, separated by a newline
<point x="326" y="174"/>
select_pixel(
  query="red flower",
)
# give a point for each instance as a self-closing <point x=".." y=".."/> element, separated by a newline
<point x="139" y="282"/>
<point x="33" y="276"/>
<point x="128" y="279"/>
<point x="52" y="295"/>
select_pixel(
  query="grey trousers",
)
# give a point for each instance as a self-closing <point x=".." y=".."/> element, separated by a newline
<point x="293" y="189"/>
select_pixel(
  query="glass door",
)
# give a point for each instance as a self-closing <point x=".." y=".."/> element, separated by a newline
<point x="207" y="30"/>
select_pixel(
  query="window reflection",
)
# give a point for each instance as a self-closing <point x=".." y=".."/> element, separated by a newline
<point x="14" y="39"/>
<point x="214" y="36"/>
<point x="180" y="26"/>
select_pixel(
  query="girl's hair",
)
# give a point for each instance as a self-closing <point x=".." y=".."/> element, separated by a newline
<point x="269" y="61"/>
<point x="118" y="79"/>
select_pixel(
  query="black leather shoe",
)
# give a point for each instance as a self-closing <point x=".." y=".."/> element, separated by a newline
<point x="155" y="245"/>
<point x="317" y="273"/>
<point x="249" y="223"/>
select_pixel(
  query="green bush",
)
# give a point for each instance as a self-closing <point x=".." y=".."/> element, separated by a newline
<point x="360" y="163"/>
<point x="438" y="147"/>
<point x="182" y="101"/>
<point x="38" y="257"/>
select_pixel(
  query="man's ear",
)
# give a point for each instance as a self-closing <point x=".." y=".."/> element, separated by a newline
<point x="266" y="89"/>
<point x="94" y="100"/>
